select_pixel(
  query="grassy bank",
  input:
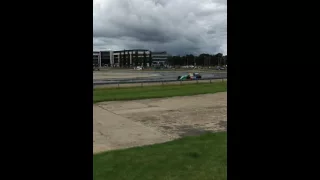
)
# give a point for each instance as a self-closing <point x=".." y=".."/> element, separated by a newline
<point x="191" y="158"/>
<point x="131" y="93"/>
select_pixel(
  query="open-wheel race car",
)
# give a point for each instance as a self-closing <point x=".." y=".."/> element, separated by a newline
<point x="189" y="76"/>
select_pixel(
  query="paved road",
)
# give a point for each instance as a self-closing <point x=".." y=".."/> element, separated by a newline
<point x="156" y="76"/>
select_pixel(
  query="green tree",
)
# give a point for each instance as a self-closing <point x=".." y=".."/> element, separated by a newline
<point x="184" y="60"/>
<point x="219" y="58"/>
<point x="144" y="59"/>
<point x="213" y="60"/>
<point x="170" y="60"/>
<point x="197" y="61"/>
<point x="190" y="59"/>
<point x="177" y="60"/>
<point x="180" y="60"/>
<point x="202" y="59"/>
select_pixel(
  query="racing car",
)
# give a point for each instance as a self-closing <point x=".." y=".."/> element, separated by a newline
<point x="189" y="76"/>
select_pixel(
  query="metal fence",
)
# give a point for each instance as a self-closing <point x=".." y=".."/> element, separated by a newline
<point x="130" y="83"/>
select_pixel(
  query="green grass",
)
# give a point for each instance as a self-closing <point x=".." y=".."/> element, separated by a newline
<point x="191" y="158"/>
<point x="131" y="93"/>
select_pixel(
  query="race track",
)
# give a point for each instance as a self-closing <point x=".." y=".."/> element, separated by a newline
<point x="113" y="77"/>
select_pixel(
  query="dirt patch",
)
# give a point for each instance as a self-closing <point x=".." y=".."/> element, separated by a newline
<point x="149" y="121"/>
<point x="111" y="131"/>
<point x="223" y="124"/>
<point x="184" y="122"/>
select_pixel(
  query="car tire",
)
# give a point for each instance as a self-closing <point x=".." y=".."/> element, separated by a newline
<point x="179" y="77"/>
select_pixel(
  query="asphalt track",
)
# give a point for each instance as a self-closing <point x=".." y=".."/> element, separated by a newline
<point x="154" y="76"/>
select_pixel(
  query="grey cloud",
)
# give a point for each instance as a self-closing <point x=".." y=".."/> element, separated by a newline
<point x="211" y="31"/>
<point x="177" y="26"/>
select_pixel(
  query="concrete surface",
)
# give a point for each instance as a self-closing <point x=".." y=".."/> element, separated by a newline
<point x="112" y="131"/>
<point x="123" y="124"/>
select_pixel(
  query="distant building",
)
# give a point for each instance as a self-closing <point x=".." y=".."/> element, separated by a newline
<point x="106" y="58"/>
<point x="133" y="57"/>
<point x="96" y="58"/>
<point x="129" y="57"/>
<point x="159" y="57"/>
<point x="102" y="58"/>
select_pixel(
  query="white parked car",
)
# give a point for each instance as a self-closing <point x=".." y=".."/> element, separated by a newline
<point x="138" y="68"/>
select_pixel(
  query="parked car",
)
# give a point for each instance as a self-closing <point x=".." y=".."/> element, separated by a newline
<point x="220" y="68"/>
<point x="138" y="68"/>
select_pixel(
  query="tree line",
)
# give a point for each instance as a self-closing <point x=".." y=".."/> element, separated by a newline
<point x="201" y="60"/>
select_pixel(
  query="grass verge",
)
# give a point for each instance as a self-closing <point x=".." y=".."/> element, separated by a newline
<point x="131" y="93"/>
<point x="191" y="158"/>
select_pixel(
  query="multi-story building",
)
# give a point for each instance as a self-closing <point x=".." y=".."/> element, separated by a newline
<point x="106" y="58"/>
<point x="102" y="58"/>
<point x="159" y="58"/>
<point x="134" y="57"/>
<point x="96" y="58"/>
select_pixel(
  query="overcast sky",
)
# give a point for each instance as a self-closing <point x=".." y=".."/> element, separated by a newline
<point x="175" y="26"/>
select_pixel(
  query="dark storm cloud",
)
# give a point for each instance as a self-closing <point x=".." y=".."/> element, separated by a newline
<point x="177" y="26"/>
